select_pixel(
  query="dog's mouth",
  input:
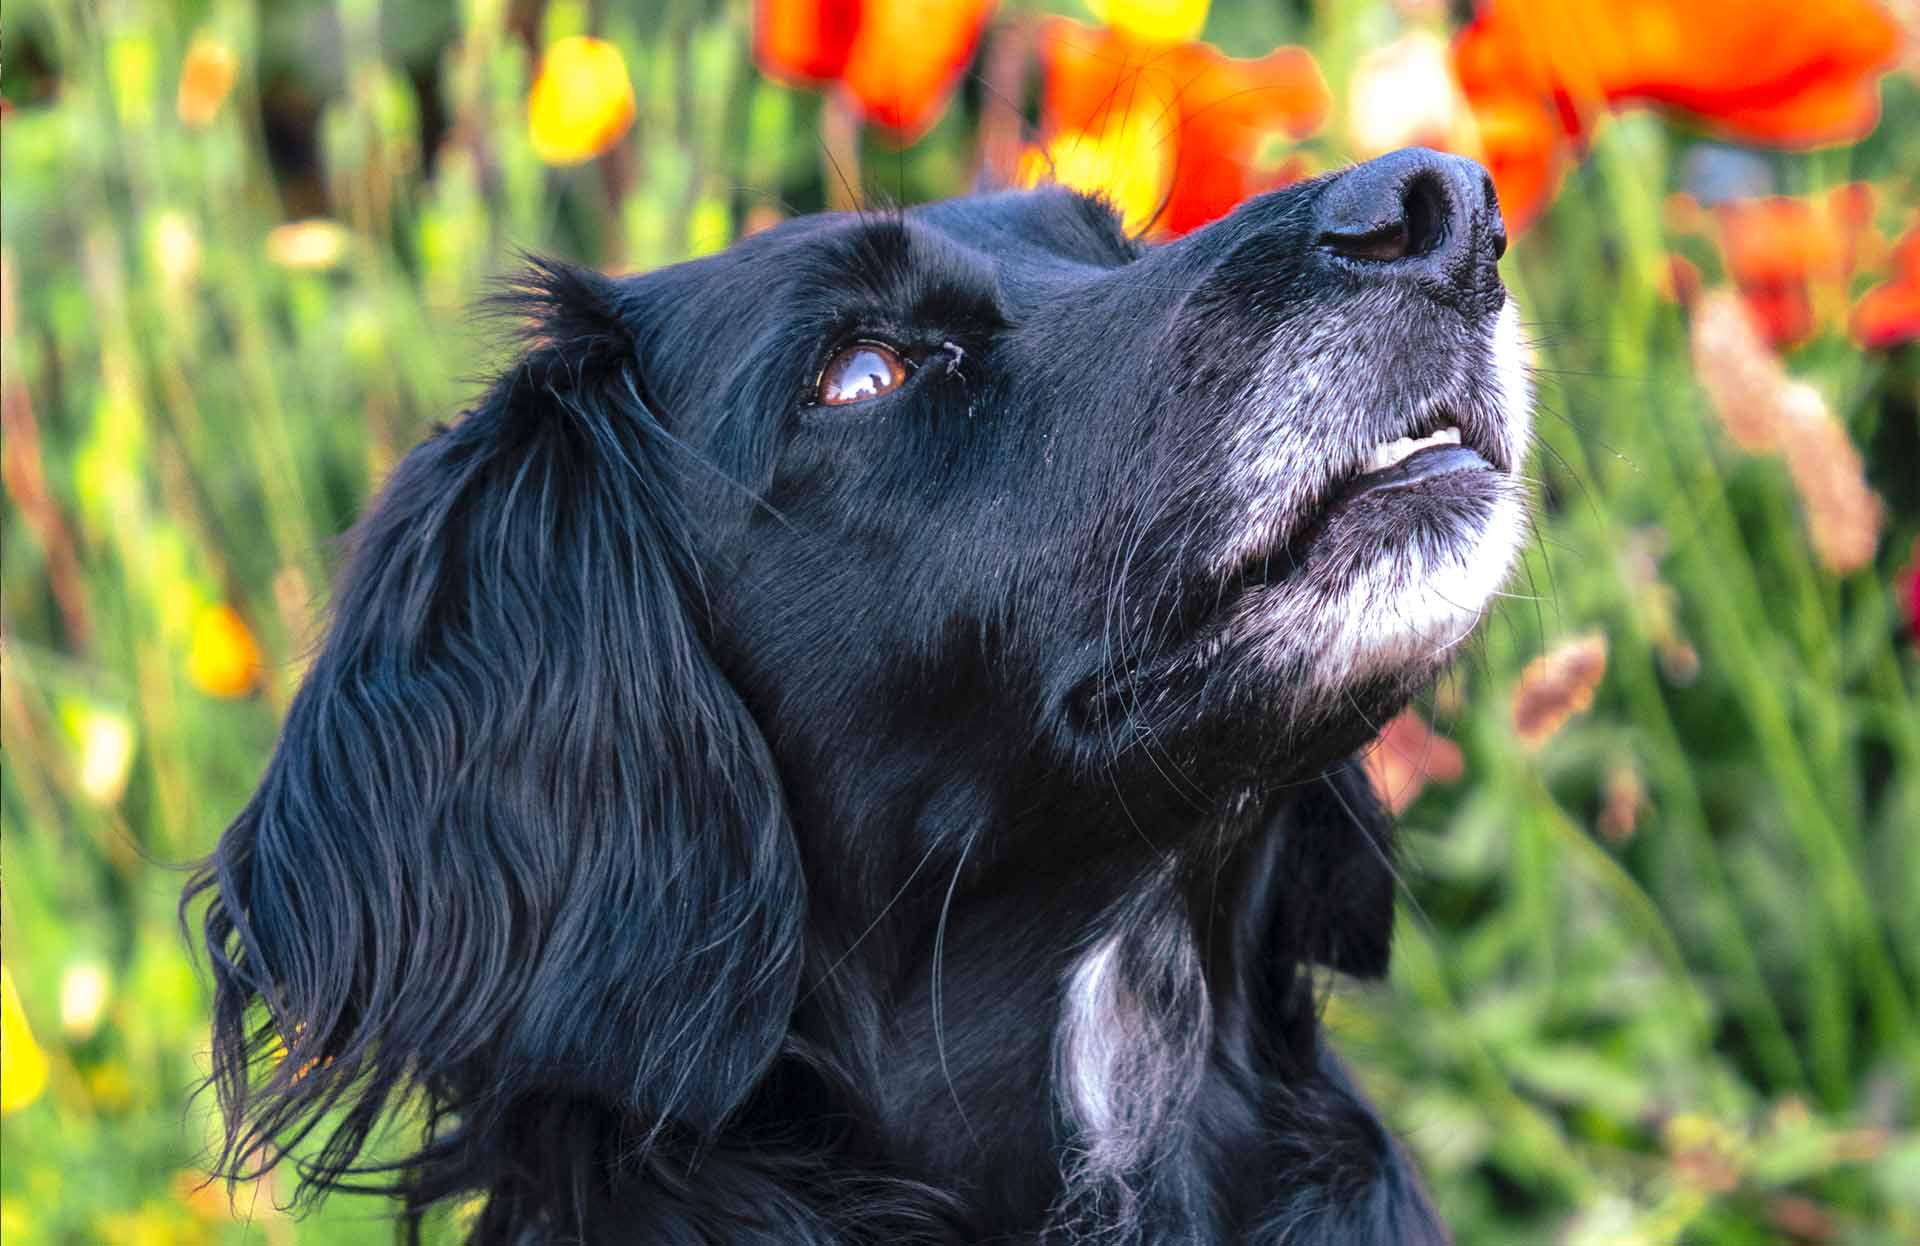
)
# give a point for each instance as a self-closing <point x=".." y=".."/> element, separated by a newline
<point x="1404" y="464"/>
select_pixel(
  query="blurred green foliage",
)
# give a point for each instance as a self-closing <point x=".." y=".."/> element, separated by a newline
<point x="1698" y="1028"/>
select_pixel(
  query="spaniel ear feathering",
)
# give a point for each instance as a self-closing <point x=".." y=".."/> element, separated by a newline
<point x="851" y="739"/>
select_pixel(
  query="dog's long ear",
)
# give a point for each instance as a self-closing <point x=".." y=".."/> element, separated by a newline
<point x="1339" y="870"/>
<point x="519" y="839"/>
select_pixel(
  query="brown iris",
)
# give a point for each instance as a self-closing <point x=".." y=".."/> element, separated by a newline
<point x="861" y="371"/>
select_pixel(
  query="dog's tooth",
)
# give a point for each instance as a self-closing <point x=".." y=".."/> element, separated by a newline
<point x="1387" y="453"/>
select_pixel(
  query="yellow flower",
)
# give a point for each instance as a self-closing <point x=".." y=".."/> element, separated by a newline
<point x="205" y="78"/>
<point x="581" y="102"/>
<point x="314" y="244"/>
<point x="1155" y="21"/>
<point x="23" y="1066"/>
<point x="224" y="661"/>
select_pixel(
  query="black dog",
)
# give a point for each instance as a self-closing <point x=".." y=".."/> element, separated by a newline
<point x="851" y="740"/>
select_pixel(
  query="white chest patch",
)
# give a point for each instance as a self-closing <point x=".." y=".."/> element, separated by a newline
<point x="1132" y="1041"/>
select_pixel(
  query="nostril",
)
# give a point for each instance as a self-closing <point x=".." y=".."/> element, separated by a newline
<point x="1427" y="213"/>
<point x="1384" y="243"/>
<point x="1496" y="225"/>
<point x="1415" y="226"/>
<point x="1415" y="215"/>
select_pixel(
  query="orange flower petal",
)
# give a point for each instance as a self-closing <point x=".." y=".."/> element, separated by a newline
<point x="1782" y="311"/>
<point x="803" y="42"/>
<point x="1090" y="75"/>
<point x="1229" y="111"/>
<point x="1783" y="252"/>
<point x="1518" y="138"/>
<point x="907" y="56"/>
<point x="581" y="101"/>
<point x="1127" y="160"/>
<point x="1778" y="72"/>
<point x="1771" y="239"/>
<point x="1772" y="71"/>
<point x="1889" y="314"/>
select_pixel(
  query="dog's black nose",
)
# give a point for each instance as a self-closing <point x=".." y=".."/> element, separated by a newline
<point x="1417" y="214"/>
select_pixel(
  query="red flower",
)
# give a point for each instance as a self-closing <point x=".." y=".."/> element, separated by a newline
<point x="1782" y="73"/>
<point x="1227" y="117"/>
<point x="897" y="59"/>
<point x="1889" y="314"/>
<point x="1913" y="593"/>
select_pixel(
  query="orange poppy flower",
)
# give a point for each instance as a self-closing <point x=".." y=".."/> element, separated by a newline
<point x="897" y="59"/>
<point x="1785" y="255"/>
<point x="1776" y="72"/>
<point x="804" y="42"/>
<point x="1226" y="114"/>
<point x="1889" y="314"/>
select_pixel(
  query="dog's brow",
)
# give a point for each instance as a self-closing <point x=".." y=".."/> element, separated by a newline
<point x="904" y="274"/>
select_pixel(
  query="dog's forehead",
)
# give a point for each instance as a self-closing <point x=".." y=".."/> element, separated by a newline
<point x="1050" y="221"/>
<point x="1006" y="228"/>
<point x="983" y="256"/>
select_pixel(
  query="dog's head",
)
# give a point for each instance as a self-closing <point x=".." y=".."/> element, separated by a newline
<point x="1024" y="478"/>
<point x="768" y="575"/>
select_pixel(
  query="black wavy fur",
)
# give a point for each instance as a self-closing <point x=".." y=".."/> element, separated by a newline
<point x="703" y="800"/>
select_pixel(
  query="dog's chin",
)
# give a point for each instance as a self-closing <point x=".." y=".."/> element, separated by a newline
<point x="1366" y="612"/>
<point x="1390" y="584"/>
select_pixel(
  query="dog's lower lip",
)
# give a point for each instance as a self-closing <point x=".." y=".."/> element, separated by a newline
<point x="1421" y="465"/>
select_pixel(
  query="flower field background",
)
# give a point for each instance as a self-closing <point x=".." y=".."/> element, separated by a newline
<point x="1658" y="972"/>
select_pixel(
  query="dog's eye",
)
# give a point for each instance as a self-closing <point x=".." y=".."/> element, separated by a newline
<point x="861" y="371"/>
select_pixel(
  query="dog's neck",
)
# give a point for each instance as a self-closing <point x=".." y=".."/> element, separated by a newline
<point x="1160" y="986"/>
